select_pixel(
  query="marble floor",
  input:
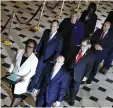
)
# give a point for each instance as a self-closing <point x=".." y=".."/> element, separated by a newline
<point x="99" y="94"/>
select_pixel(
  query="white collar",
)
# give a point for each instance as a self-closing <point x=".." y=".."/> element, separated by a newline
<point x="53" y="34"/>
<point x="105" y="32"/>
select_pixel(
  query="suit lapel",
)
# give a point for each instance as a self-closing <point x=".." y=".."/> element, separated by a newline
<point x="53" y="39"/>
<point x="49" y="75"/>
<point x="106" y="35"/>
<point x="56" y="76"/>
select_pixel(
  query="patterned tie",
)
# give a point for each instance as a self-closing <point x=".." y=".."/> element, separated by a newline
<point x="78" y="57"/>
<point x="102" y="36"/>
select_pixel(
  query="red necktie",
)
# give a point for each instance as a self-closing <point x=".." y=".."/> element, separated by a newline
<point x="102" y="36"/>
<point x="78" y="57"/>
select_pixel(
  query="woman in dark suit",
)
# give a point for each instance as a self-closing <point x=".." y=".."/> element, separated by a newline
<point x="72" y="31"/>
<point x="89" y="18"/>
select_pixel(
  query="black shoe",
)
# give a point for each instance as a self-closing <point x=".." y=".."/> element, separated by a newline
<point x="88" y="83"/>
<point x="66" y="98"/>
<point x="103" y="70"/>
<point x="72" y="102"/>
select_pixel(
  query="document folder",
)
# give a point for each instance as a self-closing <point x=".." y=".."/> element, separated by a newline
<point x="12" y="78"/>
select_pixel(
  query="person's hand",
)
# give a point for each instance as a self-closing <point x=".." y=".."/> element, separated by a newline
<point x="7" y="73"/>
<point x="56" y="104"/>
<point x="37" y="54"/>
<point x="84" y="79"/>
<point x="98" y="47"/>
<point x="22" y="79"/>
<point x="35" y="92"/>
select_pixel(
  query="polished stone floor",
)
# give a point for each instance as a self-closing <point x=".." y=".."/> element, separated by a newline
<point x="99" y="94"/>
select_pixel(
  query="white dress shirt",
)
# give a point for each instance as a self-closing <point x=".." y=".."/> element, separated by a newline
<point x="105" y="33"/>
<point x="52" y="35"/>
<point x="54" y="73"/>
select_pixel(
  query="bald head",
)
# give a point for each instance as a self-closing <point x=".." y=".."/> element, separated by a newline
<point x="106" y="26"/>
<point x="59" y="62"/>
<point x="60" y="59"/>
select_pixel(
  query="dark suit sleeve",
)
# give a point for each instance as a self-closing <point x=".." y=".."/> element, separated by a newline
<point x="94" y="39"/>
<point x="61" y="25"/>
<point x="38" y="84"/>
<point x="83" y="15"/>
<point x="40" y="43"/>
<point x="58" y="49"/>
<point x="63" y="87"/>
<point x="89" y="66"/>
<point x="93" y="23"/>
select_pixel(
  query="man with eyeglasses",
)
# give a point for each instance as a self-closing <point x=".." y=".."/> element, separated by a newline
<point x="48" y="49"/>
<point x="52" y="85"/>
<point x="80" y="65"/>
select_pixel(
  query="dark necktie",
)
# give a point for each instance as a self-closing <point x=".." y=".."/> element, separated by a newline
<point x="102" y="36"/>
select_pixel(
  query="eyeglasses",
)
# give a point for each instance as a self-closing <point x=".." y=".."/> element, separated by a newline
<point x="29" y="46"/>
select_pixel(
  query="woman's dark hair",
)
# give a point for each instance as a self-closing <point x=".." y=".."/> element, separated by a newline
<point x="92" y="5"/>
<point x="31" y="41"/>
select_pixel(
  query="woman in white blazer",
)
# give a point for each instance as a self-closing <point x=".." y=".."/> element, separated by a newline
<point x="24" y="64"/>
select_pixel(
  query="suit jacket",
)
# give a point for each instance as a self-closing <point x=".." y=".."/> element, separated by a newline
<point x="28" y="68"/>
<point x="90" y="24"/>
<point x="54" y="89"/>
<point x="49" y="49"/>
<point x="84" y="66"/>
<point x="106" y="42"/>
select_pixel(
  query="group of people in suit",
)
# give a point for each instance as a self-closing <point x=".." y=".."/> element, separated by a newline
<point x="66" y="55"/>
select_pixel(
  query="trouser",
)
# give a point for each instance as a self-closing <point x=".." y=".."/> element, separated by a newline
<point x="108" y="60"/>
<point x="41" y="101"/>
<point x="73" y="86"/>
<point x="100" y="55"/>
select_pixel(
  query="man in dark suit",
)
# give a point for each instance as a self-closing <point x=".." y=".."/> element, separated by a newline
<point x="52" y="85"/>
<point x="49" y="47"/>
<point x="89" y="18"/>
<point x="80" y="66"/>
<point x="72" y="31"/>
<point x="109" y="57"/>
<point x="102" y="41"/>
